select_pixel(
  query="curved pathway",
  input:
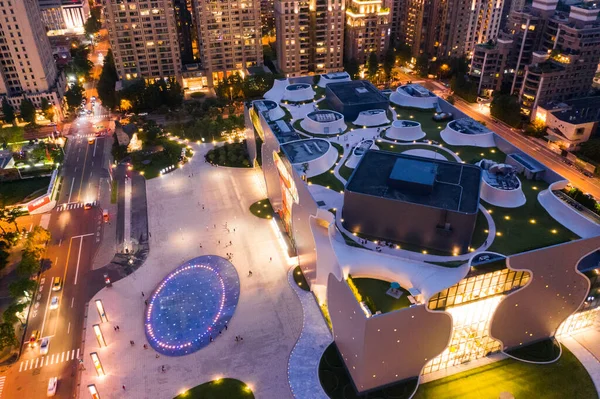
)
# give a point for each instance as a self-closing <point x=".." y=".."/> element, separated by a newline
<point x="303" y="366"/>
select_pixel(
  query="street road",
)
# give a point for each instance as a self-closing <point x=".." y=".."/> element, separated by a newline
<point x="76" y="234"/>
<point x="534" y="149"/>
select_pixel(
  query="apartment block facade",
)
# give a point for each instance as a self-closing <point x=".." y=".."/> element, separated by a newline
<point x="230" y="35"/>
<point x="367" y="29"/>
<point x="64" y="16"/>
<point x="542" y="55"/>
<point x="310" y="36"/>
<point x="27" y="68"/>
<point x="143" y="37"/>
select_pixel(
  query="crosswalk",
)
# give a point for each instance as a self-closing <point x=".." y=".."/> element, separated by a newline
<point x="72" y="205"/>
<point x="48" y="360"/>
<point x="2" y="384"/>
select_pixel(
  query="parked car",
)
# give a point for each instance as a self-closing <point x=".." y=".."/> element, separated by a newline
<point x="54" y="302"/>
<point x="56" y="284"/>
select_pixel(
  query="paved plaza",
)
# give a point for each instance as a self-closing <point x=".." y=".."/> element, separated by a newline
<point x="269" y="315"/>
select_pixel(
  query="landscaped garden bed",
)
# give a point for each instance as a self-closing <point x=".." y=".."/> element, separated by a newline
<point x="229" y="154"/>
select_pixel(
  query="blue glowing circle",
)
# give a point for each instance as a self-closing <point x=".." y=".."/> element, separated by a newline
<point x="192" y="305"/>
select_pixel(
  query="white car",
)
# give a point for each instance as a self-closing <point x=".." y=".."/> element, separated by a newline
<point x="44" y="346"/>
<point x="52" y="383"/>
<point x="54" y="302"/>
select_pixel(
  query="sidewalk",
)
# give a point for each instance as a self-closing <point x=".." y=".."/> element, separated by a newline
<point x="268" y="315"/>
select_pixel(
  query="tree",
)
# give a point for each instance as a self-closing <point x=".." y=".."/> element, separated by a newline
<point x="74" y="96"/>
<point x="372" y="65"/>
<point x="8" y="111"/>
<point x="17" y="288"/>
<point x="93" y="24"/>
<point x="422" y="65"/>
<point x="7" y="336"/>
<point x="37" y="239"/>
<point x="351" y="66"/>
<point x="403" y="52"/>
<point x="29" y="265"/>
<point x="389" y="60"/>
<point x="11" y="215"/>
<point x="27" y="110"/>
<point x="80" y="64"/>
<point x="4" y="254"/>
<point x="47" y="109"/>
<point x="536" y="129"/>
<point x="107" y="81"/>
<point x="590" y="149"/>
<point x="507" y="109"/>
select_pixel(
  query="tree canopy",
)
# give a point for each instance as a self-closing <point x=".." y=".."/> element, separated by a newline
<point x="372" y="65"/>
<point x="74" y="96"/>
<point x="93" y="24"/>
<point x="8" y="111"/>
<point x="107" y="81"/>
<point x="27" y="110"/>
<point x="150" y="97"/>
<point x="507" y="109"/>
<point x="351" y="66"/>
<point x="47" y="109"/>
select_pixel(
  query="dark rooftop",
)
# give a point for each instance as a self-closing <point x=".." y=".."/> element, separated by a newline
<point x="284" y="131"/>
<point x="356" y="92"/>
<point x="455" y="187"/>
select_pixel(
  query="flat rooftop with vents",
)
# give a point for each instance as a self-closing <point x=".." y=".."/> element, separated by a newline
<point x="403" y="198"/>
<point x="351" y="98"/>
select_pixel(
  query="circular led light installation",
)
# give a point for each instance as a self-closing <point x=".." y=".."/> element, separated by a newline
<point x="192" y="305"/>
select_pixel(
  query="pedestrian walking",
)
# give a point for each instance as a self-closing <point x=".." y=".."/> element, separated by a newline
<point x="210" y="338"/>
<point x="143" y="294"/>
<point x="225" y="326"/>
<point x="145" y="346"/>
<point x="230" y="243"/>
<point x="118" y="328"/>
<point x="249" y="273"/>
<point x="237" y="338"/>
<point x="219" y="242"/>
<point x="215" y="226"/>
<point x="124" y="387"/>
<point x="115" y="327"/>
<point x="157" y="356"/>
<point x="146" y="302"/>
<point x="162" y="369"/>
<point x="270" y="258"/>
<point x="131" y="343"/>
<point x="202" y="206"/>
<point x="234" y="229"/>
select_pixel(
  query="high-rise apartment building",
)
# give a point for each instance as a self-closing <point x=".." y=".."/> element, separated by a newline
<point x="367" y="29"/>
<point x="267" y="17"/>
<point x="187" y="35"/>
<point x="229" y="36"/>
<point x="143" y="37"/>
<point x="443" y="28"/>
<point x="310" y="36"/>
<point x="64" y="16"/>
<point x="547" y="55"/>
<point x="27" y="68"/>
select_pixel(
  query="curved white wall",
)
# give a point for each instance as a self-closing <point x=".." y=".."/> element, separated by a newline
<point x="303" y="94"/>
<point x="353" y="158"/>
<point x="321" y="164"/>
<point x="402" y="98"/>
<point x="275" y="93"/>
<point x="453" y="137"/>
<point x="565" y="214"/>
<point x="503" y="198"/>
<point x="324" y="80"/>
<point x="276" y="113"/>
<point x="418" y="152"/>
<point x="406" y="133"/>
<point x="368" y="118"/>
<point x="331" y="128"/>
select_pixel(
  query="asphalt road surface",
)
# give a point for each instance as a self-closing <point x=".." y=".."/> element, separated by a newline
<point x="76" y="234"/>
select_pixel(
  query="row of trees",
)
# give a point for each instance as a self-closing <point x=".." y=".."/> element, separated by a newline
<point x="93" y="24"/>
<point x="236" y="87"/>
<point x="26" y="110"/>
<point x="30" y="265"/>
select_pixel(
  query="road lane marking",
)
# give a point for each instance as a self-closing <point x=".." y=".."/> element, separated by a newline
<point x="60" y="242"/>
<point x="71" y="190"/>
<point x="78" y="259"/>
<point x="56" y="261"/>
<point x="42" y="362"/>
<point x="52" y="360"/>
<point x="87" y="148"/>
<point x="77" y="353"/>
<point x="73" y="354"/>
<point x="69" y="328"/>
<point x="26" y="363"/>
<point x="36" y="362"/>
<point x="31" y="227"/>
<point x="20" y="367"/>
<point x="62" y="357"/>
<point x="72" y="300"/>
<point x="2" y="384"/>
<point x="94" y="154"/>
<point x="46" y="311"/>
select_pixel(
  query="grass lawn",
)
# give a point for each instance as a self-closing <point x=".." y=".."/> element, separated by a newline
<point x="376" y="290"/>
<point x="157" y="161"/>
<point x="525" y="228"/>
<point x="345" y="171"/>
<point x="566" y="378"/>
<point x="328" y="180"/>
<point x="14" y="192"/>
<point x="262" y="209"/>
<point x="542" y="351"/>
<point x="226" y="388"/>
<point x="299" y="279"/>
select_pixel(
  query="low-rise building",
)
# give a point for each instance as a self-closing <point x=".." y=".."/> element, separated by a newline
<point x="351" y="98"/>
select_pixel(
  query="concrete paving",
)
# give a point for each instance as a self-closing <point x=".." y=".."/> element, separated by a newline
<point x="268" y="316"/>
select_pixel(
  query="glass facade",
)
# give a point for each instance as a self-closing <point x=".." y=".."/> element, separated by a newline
<point x="471" y="303"/>
<point x="588" y="313"/>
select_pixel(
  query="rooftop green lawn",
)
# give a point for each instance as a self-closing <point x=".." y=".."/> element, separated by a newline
<point x="327" y="180"/>
<point x="403" y="147"/>
<point x="17" y="191"/>
<point x="376" y="290"/>
<point x="262" y="209"/>
<point x="219" y="389"/>
<point x="524" y="228"/>
<point x="433" y="129"/>
<point x="566" y="378"/>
